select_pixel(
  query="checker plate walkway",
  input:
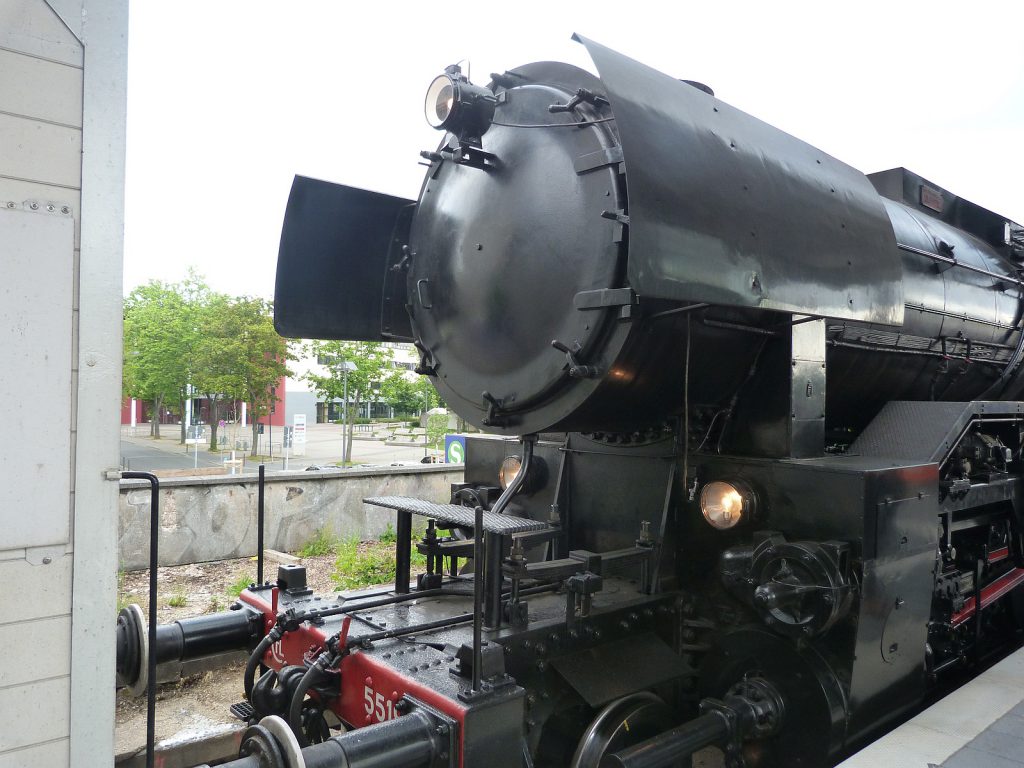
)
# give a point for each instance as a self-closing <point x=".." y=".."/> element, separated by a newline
<point x="980" y="725"/>
<point x="453" y="514"/>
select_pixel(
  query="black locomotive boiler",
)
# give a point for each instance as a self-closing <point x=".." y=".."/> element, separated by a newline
<point x="757" y="474"/>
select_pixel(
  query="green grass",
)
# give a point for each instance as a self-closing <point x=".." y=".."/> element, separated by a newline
<point x="364" y="564"/>
<point x="177" y="600"/>
<point x="388" y="536"/>
<point x="235" y="588"/>
<point x="324" y="542"/>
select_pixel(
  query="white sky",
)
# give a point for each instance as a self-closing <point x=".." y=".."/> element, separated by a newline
<point x="228" y="100"/>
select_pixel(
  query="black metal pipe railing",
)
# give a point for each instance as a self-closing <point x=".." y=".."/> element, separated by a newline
<point x="478" y="593"/>
<point x="412" y="629"/>
<point x="517" y="482"/>
<point x="154" y="549"/>
<point x="260" y="518"/>
<point x="403" y="552"/>
<point x="494" y="546"/>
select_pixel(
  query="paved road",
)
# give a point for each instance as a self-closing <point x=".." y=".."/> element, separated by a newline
<point x="136" y="455"/>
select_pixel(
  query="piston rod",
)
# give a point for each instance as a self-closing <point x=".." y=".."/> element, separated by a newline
<point x="751" y="709"/>
<point x="671" y="746"/>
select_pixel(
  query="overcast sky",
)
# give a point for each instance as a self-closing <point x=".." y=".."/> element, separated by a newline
<point x="228" y="100"/>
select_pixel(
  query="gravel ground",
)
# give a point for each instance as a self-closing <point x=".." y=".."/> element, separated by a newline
<point x="200" y="702"/>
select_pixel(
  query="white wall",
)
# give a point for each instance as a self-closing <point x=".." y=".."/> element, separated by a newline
<point x="62" y="80"/>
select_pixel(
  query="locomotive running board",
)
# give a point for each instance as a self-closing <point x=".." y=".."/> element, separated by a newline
<point x="453" y="514"/>
<point x="334" y="276"/>
<point x="925" y="431"/>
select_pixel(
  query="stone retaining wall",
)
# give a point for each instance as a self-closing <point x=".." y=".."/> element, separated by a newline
<point x="214" y="518"/>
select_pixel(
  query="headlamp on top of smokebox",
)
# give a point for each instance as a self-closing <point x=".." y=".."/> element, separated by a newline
<point x="456" y="105"/>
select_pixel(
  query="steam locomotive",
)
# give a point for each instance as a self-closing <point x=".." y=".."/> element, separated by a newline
<point x="753" y="477"/>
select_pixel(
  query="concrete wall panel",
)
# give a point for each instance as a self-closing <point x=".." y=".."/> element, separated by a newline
<point x="31" y="27"/>
<point x="21" y="192"/>
<point x="40" y="89"/>
<point x="49" y="585"/>
<point x="214" y="518"/>
<point x="35" y="649"/>
<point x="35" y="334"/>
<point x="98" y="383"/>
<point x="40" y="756"/>
<point x="62" y="78"/>
<point x="41" y="152"/>
<point x="34" y="713"/>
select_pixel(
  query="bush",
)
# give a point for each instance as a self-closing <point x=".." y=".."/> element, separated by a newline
<point x="365" y="564"/>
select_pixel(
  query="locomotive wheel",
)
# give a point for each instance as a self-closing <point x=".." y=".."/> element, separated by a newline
<point x="813" y="723"/>
<point x="625" y="721"/>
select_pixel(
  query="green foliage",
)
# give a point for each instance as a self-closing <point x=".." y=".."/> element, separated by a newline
<point x="177" y="600"/>
<point x="260" y="354"/>
<point x="324" y="542"/>
<point x="388" y="536"/>
<point x="216" y="375"/>
<point x="160" y="334"/>
<point x="437" y="428"/>
<point x="371" y="360"/>
<point x="409" y="396"/>
<point x="178" y="335"/>
<point x="241" y="582"/>
<point x="364" y="564"/>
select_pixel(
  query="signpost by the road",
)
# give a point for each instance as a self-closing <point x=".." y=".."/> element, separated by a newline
<point x="194" y="436"/>
<point x="299" y="434"/>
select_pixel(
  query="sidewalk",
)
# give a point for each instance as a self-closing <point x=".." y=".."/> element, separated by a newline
<point x="323" y="447"/>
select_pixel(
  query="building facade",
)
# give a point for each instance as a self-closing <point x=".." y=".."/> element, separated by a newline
<point x="302" y="398"/>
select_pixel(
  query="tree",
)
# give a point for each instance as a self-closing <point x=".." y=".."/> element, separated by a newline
<point x="159" y="340"/>
<point x="195" y="294"/>
<point x="371" y="360"/>
<point x="437" y="428"/>
<point x="253" y="352"/>
<point x="408" y="396"/>
<point x="218" y="361"/>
